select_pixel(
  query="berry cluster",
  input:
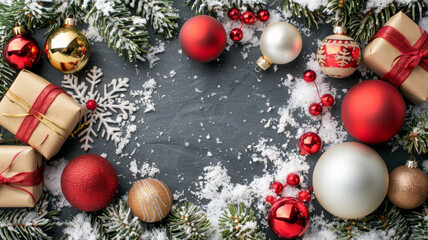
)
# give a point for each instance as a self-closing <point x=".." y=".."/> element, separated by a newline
<point x="248" y="17"/>
<point x="292" y="180"/>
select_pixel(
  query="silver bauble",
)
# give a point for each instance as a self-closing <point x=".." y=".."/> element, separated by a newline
<point x="350" y="180"/>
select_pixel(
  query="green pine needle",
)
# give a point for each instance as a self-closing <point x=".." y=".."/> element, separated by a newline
<point x="418" y="222"/>
<point x="415" y="137"/>
<point x="310" y="18"/>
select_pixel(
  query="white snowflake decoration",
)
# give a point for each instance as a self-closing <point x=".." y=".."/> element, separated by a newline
<point x="109" y="103"/>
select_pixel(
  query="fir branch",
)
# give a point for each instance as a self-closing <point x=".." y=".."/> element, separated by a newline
<point x="208" y="7"/>
<point x="339" y="12"/>
<point x="418" y="222"/>
<point x="310" y="18"/>
<point x="188" y="221"/>
<point x="239" y="223"/>
<point x="415" y="137"/>
<point x="64" y="9"/>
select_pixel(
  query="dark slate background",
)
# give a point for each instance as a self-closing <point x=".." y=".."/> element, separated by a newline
<point x="181" y="111"/>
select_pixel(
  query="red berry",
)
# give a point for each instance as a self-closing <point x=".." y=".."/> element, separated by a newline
<point x="270" y="199"/>
<point x="327" y="100"/>
<point x="248" y="17"/>
<point x="309" y="143"/>
<point x="304" y="196"/>
<point x="236" y="34"/>
<point x="309" y="76"/>
<point x="277" y="186"/>
<point x="263" y="15"/>
<point x="315" y="109"/>
<point x="91" y="105"/>
<point x="293" y="179"/>
<point x="234" y="14"/>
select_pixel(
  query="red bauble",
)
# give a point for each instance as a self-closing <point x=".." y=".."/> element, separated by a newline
<point x="91" y="105"/>
<point x="309" y="76"/>
<point x="315" y="109"/>
<point x="263" y="15"/>
<point x="89" y="182"/>
<point x="288" y="218"/>
<point x="270" y="199"/>
<point x="248" y="17"/>
<point x="309" y="143"/>
<point x="277" y="186"/>
<point x="236" y="34"/>
<point x="373" y="111"/>
<point x="304" y="196"/>
<point x="327" y="100"/>
<point x="21" y="51"/>
<point x="234" y="14"/>
<point x="202" y="38"/>
<point x="293" y="179"/>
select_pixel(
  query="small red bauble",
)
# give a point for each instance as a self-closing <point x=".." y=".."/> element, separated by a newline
<point x="304" y="196"/>
<point x="309" y="143"/>
<point x="263" y="15"/>
<point x="89" y="182"/>
<point x="293" y="179"/>
<point x="270" y="199"/>
<point x="373" y="111"/>
<point x="288" y="218"/>
<point x="91" y="105"/>
<point x="202" y="38"/>
<point x="21" y="51"/>
<point x="236" y="34"/>
<point x="248" y="17"/>
<point x="277" y="186"/>
<point x="315" y="109"/>
<point x="327" y="100"/>
<point x="309" y="76"/>
<point x="234" y="14"/>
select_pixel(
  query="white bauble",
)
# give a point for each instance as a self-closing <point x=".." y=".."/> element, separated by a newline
<point x="350" y="180"/>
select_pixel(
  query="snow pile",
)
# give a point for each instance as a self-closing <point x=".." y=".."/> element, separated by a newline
<point x="52" y="182"/>
<point x="149" y="87"/>
<point x="80" y="227"/>
<point x="146" y="170"/>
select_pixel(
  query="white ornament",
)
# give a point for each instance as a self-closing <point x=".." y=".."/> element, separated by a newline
<point x="350" y="180"/>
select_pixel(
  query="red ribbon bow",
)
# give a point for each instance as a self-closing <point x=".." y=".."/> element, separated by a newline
<point x="411" y="56"/>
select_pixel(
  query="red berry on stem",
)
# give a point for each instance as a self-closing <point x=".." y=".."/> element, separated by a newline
<point x="234" y="14"/>
<point x="236" y="34"/>
<point x="293" y="179"/>
<point x="263" y="15"/>
<point x="91" y="105"/>
<point x="270" y="199"/>
<point x="248" y="17"/>
<point x="315" y="109"/>
<point x="327" y="100"/>
<point x="309" y="143"/>
<point x="277" y="186"/>
<point x="304" y="196"/>
<point x="309" y="76"/>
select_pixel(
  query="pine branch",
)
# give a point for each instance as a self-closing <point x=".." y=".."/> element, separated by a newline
<point x="310" y="18"/>
<point x="207" y="7"/>
<point x="415" y="136"/>
<point x="339" y="12"/>
<point x="418" y="222"/>
<point x="84" y="226"/>
<point x="64" y="9"/>
<point x="188" y="221"/>
<point x="239" y="223"/>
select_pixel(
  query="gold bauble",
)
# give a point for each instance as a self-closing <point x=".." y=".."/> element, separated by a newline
<point x="408" y="186"/>
<point x="150" y="200"/>
<point x="67" y="48"/>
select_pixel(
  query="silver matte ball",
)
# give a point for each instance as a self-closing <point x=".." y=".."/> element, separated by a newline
<point x="350" y="180"/>
<point x="281" y="43"/>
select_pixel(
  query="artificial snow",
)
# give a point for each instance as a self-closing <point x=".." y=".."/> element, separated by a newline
<point x="80" y="227"/>
<point x="52" y="182"/>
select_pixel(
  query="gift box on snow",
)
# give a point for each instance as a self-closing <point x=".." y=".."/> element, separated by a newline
<point x="39" y="113"/>
<point x="398" y="53"/>
<point x="21" y="176"/>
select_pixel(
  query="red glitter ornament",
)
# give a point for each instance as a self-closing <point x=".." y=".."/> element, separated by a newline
<point x="234" y="14"/>
<point x="327" y="100"/>
<point x="288" y="218"/>
<point x="91" y="105"/>
<point x="293" y="179"/>
<point x="315" y="109"/>
<point x="89" y="182"/>
<point x="277" y="186"/>
<point x="236" y="34"/>
<point x="309" y="76"/>
<point x="263" y="15"/>
<point x="270" y="199"/>
<point x="309" y="143"/>
<point x="21" y="51"/>
<point x="248" y="17"/>
<point x="304" y="196"/>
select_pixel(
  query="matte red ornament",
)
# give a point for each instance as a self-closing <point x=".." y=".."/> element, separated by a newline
<point x="91" y="105"/>
<point x="234" y="14"/>
<point x="315" y="109"/>
<point x="309" y="76"/>
<point x="248" y="17"/>
<point x="293" y="179"/>
<point x="89" y="182"/>
<point x="309" y="143"/>
<point x="288" y="218"/>
<point x="236" y="34"/>
<point x="270" y="199"/>
<point x="22" y="50"/>
<point x="277" y="186"/>
<point x="327" y="100"/>
<point x="373" y="111"/>
<point x="202" y="38"/>
<point x="263" y="15"/>
<point x="304" y="196"/>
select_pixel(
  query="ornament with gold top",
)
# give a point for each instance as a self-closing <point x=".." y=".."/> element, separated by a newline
<point x="67" y="48"/>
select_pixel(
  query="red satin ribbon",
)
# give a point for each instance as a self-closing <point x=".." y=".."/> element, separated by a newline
<point x="411" y="56"/>
<point x="26" y="179"/>
<point x="40" y="106"/>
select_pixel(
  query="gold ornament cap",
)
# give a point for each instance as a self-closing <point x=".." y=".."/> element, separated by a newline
<point x="340" y="30"/>
<point x="411" y="164"/>
<point x="70" y="22"/>
<point x="263" y="64"/>
<point x="18" y="30"/>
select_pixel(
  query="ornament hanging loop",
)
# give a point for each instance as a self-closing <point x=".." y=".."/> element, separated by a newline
<point x="19" y="29"/>
<point x="70" y="21"/>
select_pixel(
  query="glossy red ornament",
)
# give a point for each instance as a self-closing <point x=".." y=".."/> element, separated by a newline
<point x="89" y="182"/>
<point x="327" y="100"/>
<point x="315" y="109"/>
<point x="91" y="105"/>
<point x="288" y="218"/>
<point x="309" y="76"/>
<point x="373" y="111"/>
<point x="22" y="50"/>
<point x="248" y="17"/>
<point x="293" y="179"/>
<point x="234" y="14"/>
<point x="304" y="196"/>
<point x="309" y="143"/>
<point x="236" y="34"/>
<point x="270" y="199"/>
<point x="263" y="15"/>
<point x="277" y="186"/>
<point x="202" y="38"/>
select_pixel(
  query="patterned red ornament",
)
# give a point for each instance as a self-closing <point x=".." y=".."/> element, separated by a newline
<point x="327" y="100"/>
<point x="288" y="218"/>
<point x="270" y="199"/>
<point x="91" y="105"/>
<point x="277" y="186"/>
<point x="89" y="182"/>
<point x="338" y="54"/>
<point x="309" y="76"/>
<point x="309" y="143"/>
<point x="315" y="109"/>
<point x="304" y="196"/>
<point x="248" y="17"/>
<point x="21" y="51"/>
<point x="236" y="34"/>
<point x="293" y="179"/>
<point x="263" y="15"/>
<point x="234" y="14"/>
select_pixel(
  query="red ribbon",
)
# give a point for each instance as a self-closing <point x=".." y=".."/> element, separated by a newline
<point x="26" y="179"/>
<point x="39" y="108"/>
<point x="411" y="56"/>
